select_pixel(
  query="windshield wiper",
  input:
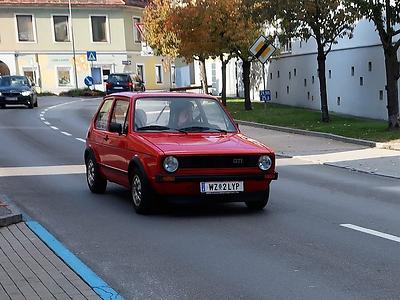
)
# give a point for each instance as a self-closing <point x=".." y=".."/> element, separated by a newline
<point x="159" y="127"/>
<point x="202" y="128"/>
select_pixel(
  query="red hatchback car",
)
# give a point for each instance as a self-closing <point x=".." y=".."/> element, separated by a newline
<point x="179" y="145"/>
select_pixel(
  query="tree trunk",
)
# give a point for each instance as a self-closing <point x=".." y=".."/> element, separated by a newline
<point x="246" y="84"/>
<point x="392" y="76"/>
<point x="223" y="69"/>
<point x="322" y="84"/>
<point x="203" y="75"/>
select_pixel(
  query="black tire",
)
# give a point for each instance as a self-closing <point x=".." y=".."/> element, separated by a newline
<point x="142" y="196"/>
<point x="260" y="202"/>
<point x="96" y="182"/>
<point x="2" y="106"/>
<point x="36" y="104"/>
<point x="30" y="104"/>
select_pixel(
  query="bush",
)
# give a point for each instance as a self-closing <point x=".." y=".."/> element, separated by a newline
<point x="83" y="93"/>
<point x="46" y="94"/>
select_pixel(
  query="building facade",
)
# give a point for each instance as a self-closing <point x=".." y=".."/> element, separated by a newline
<point x="40" y="38"/>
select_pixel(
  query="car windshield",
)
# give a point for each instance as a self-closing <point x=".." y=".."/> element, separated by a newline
<point x="181" y="114"/>
<point x="10" y="81"/>
<point x="117" y="77"/>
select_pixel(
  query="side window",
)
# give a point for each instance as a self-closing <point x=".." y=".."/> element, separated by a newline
<point x="119" y="113"/>
<point x="102" y="116"/>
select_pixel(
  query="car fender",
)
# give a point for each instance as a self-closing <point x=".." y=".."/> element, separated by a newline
<point x="135" y="162"/>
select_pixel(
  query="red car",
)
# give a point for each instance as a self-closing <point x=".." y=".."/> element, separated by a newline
<point x="177" y="145"/>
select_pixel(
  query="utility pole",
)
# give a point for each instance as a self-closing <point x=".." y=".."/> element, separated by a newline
<point x="73" y="43"/>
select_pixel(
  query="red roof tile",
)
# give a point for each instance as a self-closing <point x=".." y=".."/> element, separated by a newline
<point x="82" y="3"/>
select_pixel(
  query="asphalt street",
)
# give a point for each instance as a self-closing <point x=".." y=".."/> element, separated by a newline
<point x="297" y="248"/>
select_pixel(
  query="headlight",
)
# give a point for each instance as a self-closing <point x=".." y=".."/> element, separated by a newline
<point x="26" y="93"/>
<point x="170" y="164"/>
<point x="264" y="162"/>
<point x="1" y="94"/>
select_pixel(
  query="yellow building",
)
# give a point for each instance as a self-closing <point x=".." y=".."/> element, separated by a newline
<point x="39" y="38"/>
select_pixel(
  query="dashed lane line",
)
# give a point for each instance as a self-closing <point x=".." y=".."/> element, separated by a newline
<point x="372" y="232"/>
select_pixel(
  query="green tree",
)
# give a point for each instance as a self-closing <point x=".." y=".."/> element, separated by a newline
<point x="385" y="14"/>
<point x="323" y="20"/>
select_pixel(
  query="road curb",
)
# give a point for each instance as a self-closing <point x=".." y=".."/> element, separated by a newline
<point x="314" y="133"/>
<point x="9" y="213"/>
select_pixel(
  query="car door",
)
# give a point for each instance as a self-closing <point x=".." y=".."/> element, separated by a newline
<point x="100" y="134"/>
<point x="117" y="156"/>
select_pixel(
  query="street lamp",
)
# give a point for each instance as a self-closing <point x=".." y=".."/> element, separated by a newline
<point x="73" y="43"/>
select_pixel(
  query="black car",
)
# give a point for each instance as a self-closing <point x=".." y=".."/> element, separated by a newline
<point x="123" y="82"/>
<point x="17" y="90"/>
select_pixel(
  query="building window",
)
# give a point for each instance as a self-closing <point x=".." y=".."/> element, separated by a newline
<point x="290" y="75"/>
<point x="312" y="79"/>
<point x="352" y="71"/>
<point x="25" y="28"/>
<point x="312" y="98"/>
<point x="64" y="76"/>
<point x="330" y="74"/>
<point x="140" y="71"/>
<point x="305" y="82"/>
<point x="159" y="74"/>
<point x="276" y="95"/>
<point x="136" y="32"/>
<point x="270" y="76"/>
<point x="30" y="73"/>
<point x="294" y="72"/>
<point x="99" y="28"/>
<point x="361" y="81"/>
<point x="173" y="74"/>
<point x="287" y="89"/>
<point x="61" y="31"/>
<point x="370" y="66"/>
<point x="278" y="75"/>
<point x="381" y="95"/>
<point x="308" y="95"/>
<point x="338" y="101"/>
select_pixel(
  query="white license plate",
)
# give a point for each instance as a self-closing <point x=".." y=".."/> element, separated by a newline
<point x="118" y="88"/>
<point x="221" y="187"/>
<point x="11" y="98"/>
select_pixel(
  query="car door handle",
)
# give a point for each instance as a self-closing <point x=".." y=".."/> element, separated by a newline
<point x="106" y="138"/>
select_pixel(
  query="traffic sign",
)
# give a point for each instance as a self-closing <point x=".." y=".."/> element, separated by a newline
<point x="126" y="62"/>
<point x="89" y="80"/>
<point x="265" y="95"/>
<point x="91" y="56"/>
<point x="262" y="49"/>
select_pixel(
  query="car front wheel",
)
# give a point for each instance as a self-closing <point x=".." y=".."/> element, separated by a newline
<point x="260" y="202"/>
<point x="142" y="197"/>
<point x="96" y="182"/>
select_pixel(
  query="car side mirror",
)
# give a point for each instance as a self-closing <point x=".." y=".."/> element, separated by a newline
<point x="116" y="127"/>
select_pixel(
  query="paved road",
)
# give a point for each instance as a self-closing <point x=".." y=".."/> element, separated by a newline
<point x="295" y="249"/>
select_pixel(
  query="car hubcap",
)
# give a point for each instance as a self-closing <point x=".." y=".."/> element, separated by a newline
<point x="90" y="172"/>
<point x="136" y="190"/>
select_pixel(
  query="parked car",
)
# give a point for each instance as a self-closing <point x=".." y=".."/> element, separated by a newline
<point x="17" y="90"/>
<point x="120" y="82"/>
<point x="175" y="145"/>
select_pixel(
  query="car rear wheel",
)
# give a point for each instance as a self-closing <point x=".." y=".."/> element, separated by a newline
<point x="260" y="202"/>
<point x="2" y="106"/>
<point x="142" y="197"/>
<point x="36" y="103"/>
<point x="96" y="182"/>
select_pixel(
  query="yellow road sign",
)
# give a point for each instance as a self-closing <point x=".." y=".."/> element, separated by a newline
<point x="262" y="49"/>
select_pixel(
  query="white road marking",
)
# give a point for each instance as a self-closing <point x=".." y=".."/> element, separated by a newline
<point x="42" y="119"/>
<point x="47" y="123"/>
<point x="372" y="232"/>
<point x="81" y="140"/>
<point x="54" y="127"/>
<point x="66" y="133"/>
<point x="44" y="170"/>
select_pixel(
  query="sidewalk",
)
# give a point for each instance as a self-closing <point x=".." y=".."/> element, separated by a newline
<point x="383" y="159"/>
<point x="29" y="269"/>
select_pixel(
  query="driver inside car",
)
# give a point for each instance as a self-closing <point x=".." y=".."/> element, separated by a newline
<point x="185" y="115"/>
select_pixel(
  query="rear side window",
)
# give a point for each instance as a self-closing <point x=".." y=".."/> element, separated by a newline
<point x="113" y="78"/>
<point x="102" y="117"/>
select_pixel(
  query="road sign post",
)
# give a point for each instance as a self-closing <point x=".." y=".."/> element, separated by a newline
<point x="91" y="56"/>
<point x="262" y="50"/>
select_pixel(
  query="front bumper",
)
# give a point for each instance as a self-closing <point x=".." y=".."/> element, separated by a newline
<point x="16" y="101"/>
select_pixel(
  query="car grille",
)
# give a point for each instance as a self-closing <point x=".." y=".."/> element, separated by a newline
<point x="11" y="94"/>
<point x="231" y="161"/>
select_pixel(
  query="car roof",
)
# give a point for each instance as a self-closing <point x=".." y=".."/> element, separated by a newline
<point x="136" y="95"/>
